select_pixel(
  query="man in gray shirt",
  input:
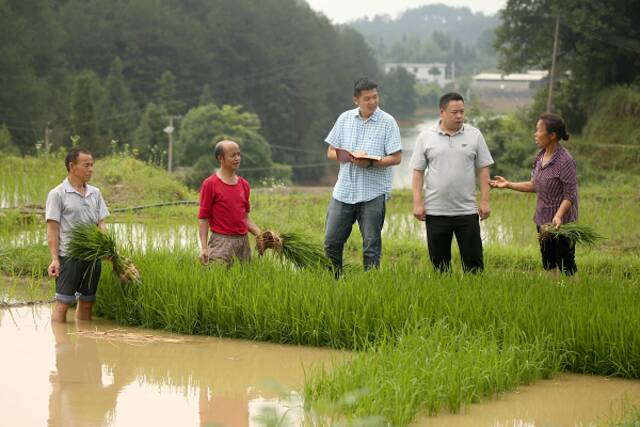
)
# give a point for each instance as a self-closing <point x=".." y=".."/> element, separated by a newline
<point x="453" y="154"/>
<point x="71" y="203"/>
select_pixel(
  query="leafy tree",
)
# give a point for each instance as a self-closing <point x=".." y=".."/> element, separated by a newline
<point x="428" y="95"/>
<point x="277" y="58"/>
<point x="6" y="146"/>
<point x="28" y="48"/>
<point x="510" y="140"/>
<point x="166" y="93"/>
<point x="118" y="112"/>
<point x="202" y="127"/>
<point x="598" y="44"/>
<point x="206" y="97"/>
<point x="150" y="142"/>
<point x="86" y="93"/>
<point x="398" y="92"/>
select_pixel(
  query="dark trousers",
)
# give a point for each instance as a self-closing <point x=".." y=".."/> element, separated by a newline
<point x="440" y="231"/>
<point x="340" y="219"/>
<point x="558" y="253"/>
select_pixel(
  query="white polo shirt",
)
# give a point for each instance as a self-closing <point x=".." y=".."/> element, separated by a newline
<point x="68" y="207"/>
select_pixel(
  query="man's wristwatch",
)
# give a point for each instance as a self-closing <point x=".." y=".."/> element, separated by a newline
<point x="370" y="163"/>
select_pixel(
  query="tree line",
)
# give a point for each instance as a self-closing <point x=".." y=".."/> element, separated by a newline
<point x="119" y="70"/>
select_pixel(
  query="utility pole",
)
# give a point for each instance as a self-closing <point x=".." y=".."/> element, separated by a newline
<point x="553" y="64"/>
<point x="169" y="130"/>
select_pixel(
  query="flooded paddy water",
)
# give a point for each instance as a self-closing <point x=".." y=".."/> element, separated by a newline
<point x="101" y="374"/>
<point x="568" y="400"/>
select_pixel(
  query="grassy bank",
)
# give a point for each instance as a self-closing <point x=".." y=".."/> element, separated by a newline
<point x="123" y="180"/>
<point x="486" y="334"/>
<point x="426" y="342"/>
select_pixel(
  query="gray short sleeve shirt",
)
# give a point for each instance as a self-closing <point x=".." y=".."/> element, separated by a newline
<point x="450" y="162"/>
<point x="68" y="208"/>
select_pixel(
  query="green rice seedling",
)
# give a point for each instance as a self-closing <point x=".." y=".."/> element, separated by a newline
<point x="572" y="231"/>
<point x="427" y="369"/>
<point x="521" y="322"/>
<point x="294" y="247"/>
<point x="89" y="243"/>
<point x="30" y="260"/>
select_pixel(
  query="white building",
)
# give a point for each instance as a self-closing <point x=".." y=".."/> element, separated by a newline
<point x="424" y="73"/>
<point x="507" y="92"/>
<point x="510" y="83"/>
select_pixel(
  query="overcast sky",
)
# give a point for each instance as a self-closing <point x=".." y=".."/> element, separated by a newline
<point x="340" y="11"/>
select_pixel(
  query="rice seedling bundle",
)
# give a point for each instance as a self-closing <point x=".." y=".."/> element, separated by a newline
<point x="572" y="231"/>
<point x="296" y="248"/>
<point x="88" y="243"/>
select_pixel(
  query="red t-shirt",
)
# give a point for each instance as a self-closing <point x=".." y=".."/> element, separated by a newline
<point x="225" y="205"/>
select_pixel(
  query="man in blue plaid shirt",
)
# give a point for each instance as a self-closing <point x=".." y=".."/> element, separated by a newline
<point x="364" y="185"/>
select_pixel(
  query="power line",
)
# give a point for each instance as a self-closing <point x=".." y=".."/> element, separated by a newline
<point x="302" y="166"/>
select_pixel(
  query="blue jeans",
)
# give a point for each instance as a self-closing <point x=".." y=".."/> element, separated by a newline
<point x="340" y="219"/>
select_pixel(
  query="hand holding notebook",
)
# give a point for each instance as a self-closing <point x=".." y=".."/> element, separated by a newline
<point x="346" y="156"/>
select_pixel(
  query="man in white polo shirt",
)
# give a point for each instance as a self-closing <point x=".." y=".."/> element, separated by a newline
<point x="71" y="203"/>
<point x="453" y="154"/>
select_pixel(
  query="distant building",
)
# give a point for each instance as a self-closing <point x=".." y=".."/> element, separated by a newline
<point x="506" y="92"/>
<point x="424" y="73"/>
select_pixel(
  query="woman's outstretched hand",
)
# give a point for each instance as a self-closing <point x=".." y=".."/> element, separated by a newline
<point x="499" y="182"/>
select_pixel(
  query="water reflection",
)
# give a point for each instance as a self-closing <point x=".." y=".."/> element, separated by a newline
<point x="409" y="132"/>
<point x="569" y="400"/>
<point x="492" y="231"/>
<point x="144" y="238"/>
<point x="84" y="392"/>
<point x="98" y="374"/>
<point x="140" y="237"/>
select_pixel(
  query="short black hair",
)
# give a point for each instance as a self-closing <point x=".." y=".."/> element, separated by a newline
<point x="73" y="155"/>
<point x="363" y="84"/>
<point x="555" y="124"/>
<point x="448" y="97"/>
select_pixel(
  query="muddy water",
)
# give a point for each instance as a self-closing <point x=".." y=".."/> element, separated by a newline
<point x="115" y="376"/>
<point x="406" y="227"/>
<point x="409" y="132"/>
<point x="569" y="400"/>
<point x="99" y="374"/>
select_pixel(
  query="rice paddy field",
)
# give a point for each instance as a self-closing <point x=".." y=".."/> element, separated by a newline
<point x="420" y="343"/>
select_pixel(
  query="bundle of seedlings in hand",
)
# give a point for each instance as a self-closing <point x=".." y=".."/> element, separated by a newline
<point x="88" y="243"/>
<point x="294" y="247"/>
<point x="572" y="231"/>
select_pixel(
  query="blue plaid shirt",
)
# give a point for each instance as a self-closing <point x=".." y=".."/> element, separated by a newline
<point x="378" y="135"/>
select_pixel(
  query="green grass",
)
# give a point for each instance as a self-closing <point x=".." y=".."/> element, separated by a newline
<point x="487" y="333"/>
<point x="124" y="181"/>
<point x="25" y="261"/>
<point x="432" y="368"/>
<point x="425" y="342"/>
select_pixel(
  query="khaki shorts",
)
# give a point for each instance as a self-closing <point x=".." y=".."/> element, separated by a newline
<point x="224" y="248"/>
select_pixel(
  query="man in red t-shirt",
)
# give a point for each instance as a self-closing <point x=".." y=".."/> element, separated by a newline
<point x="224" y="209"/>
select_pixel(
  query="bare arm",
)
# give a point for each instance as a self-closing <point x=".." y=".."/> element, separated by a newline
<point x="253" y="228"/>
<point x="390" y="160"/>
<point x="53" y="240"/>
<point x="331" y="153"/>
<point x="523" y="186"/>
<point x="203" y="231"/>
<point x="417" y="181"/>
<point x="483" y="177"/>
<point x="564" y="207"/>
